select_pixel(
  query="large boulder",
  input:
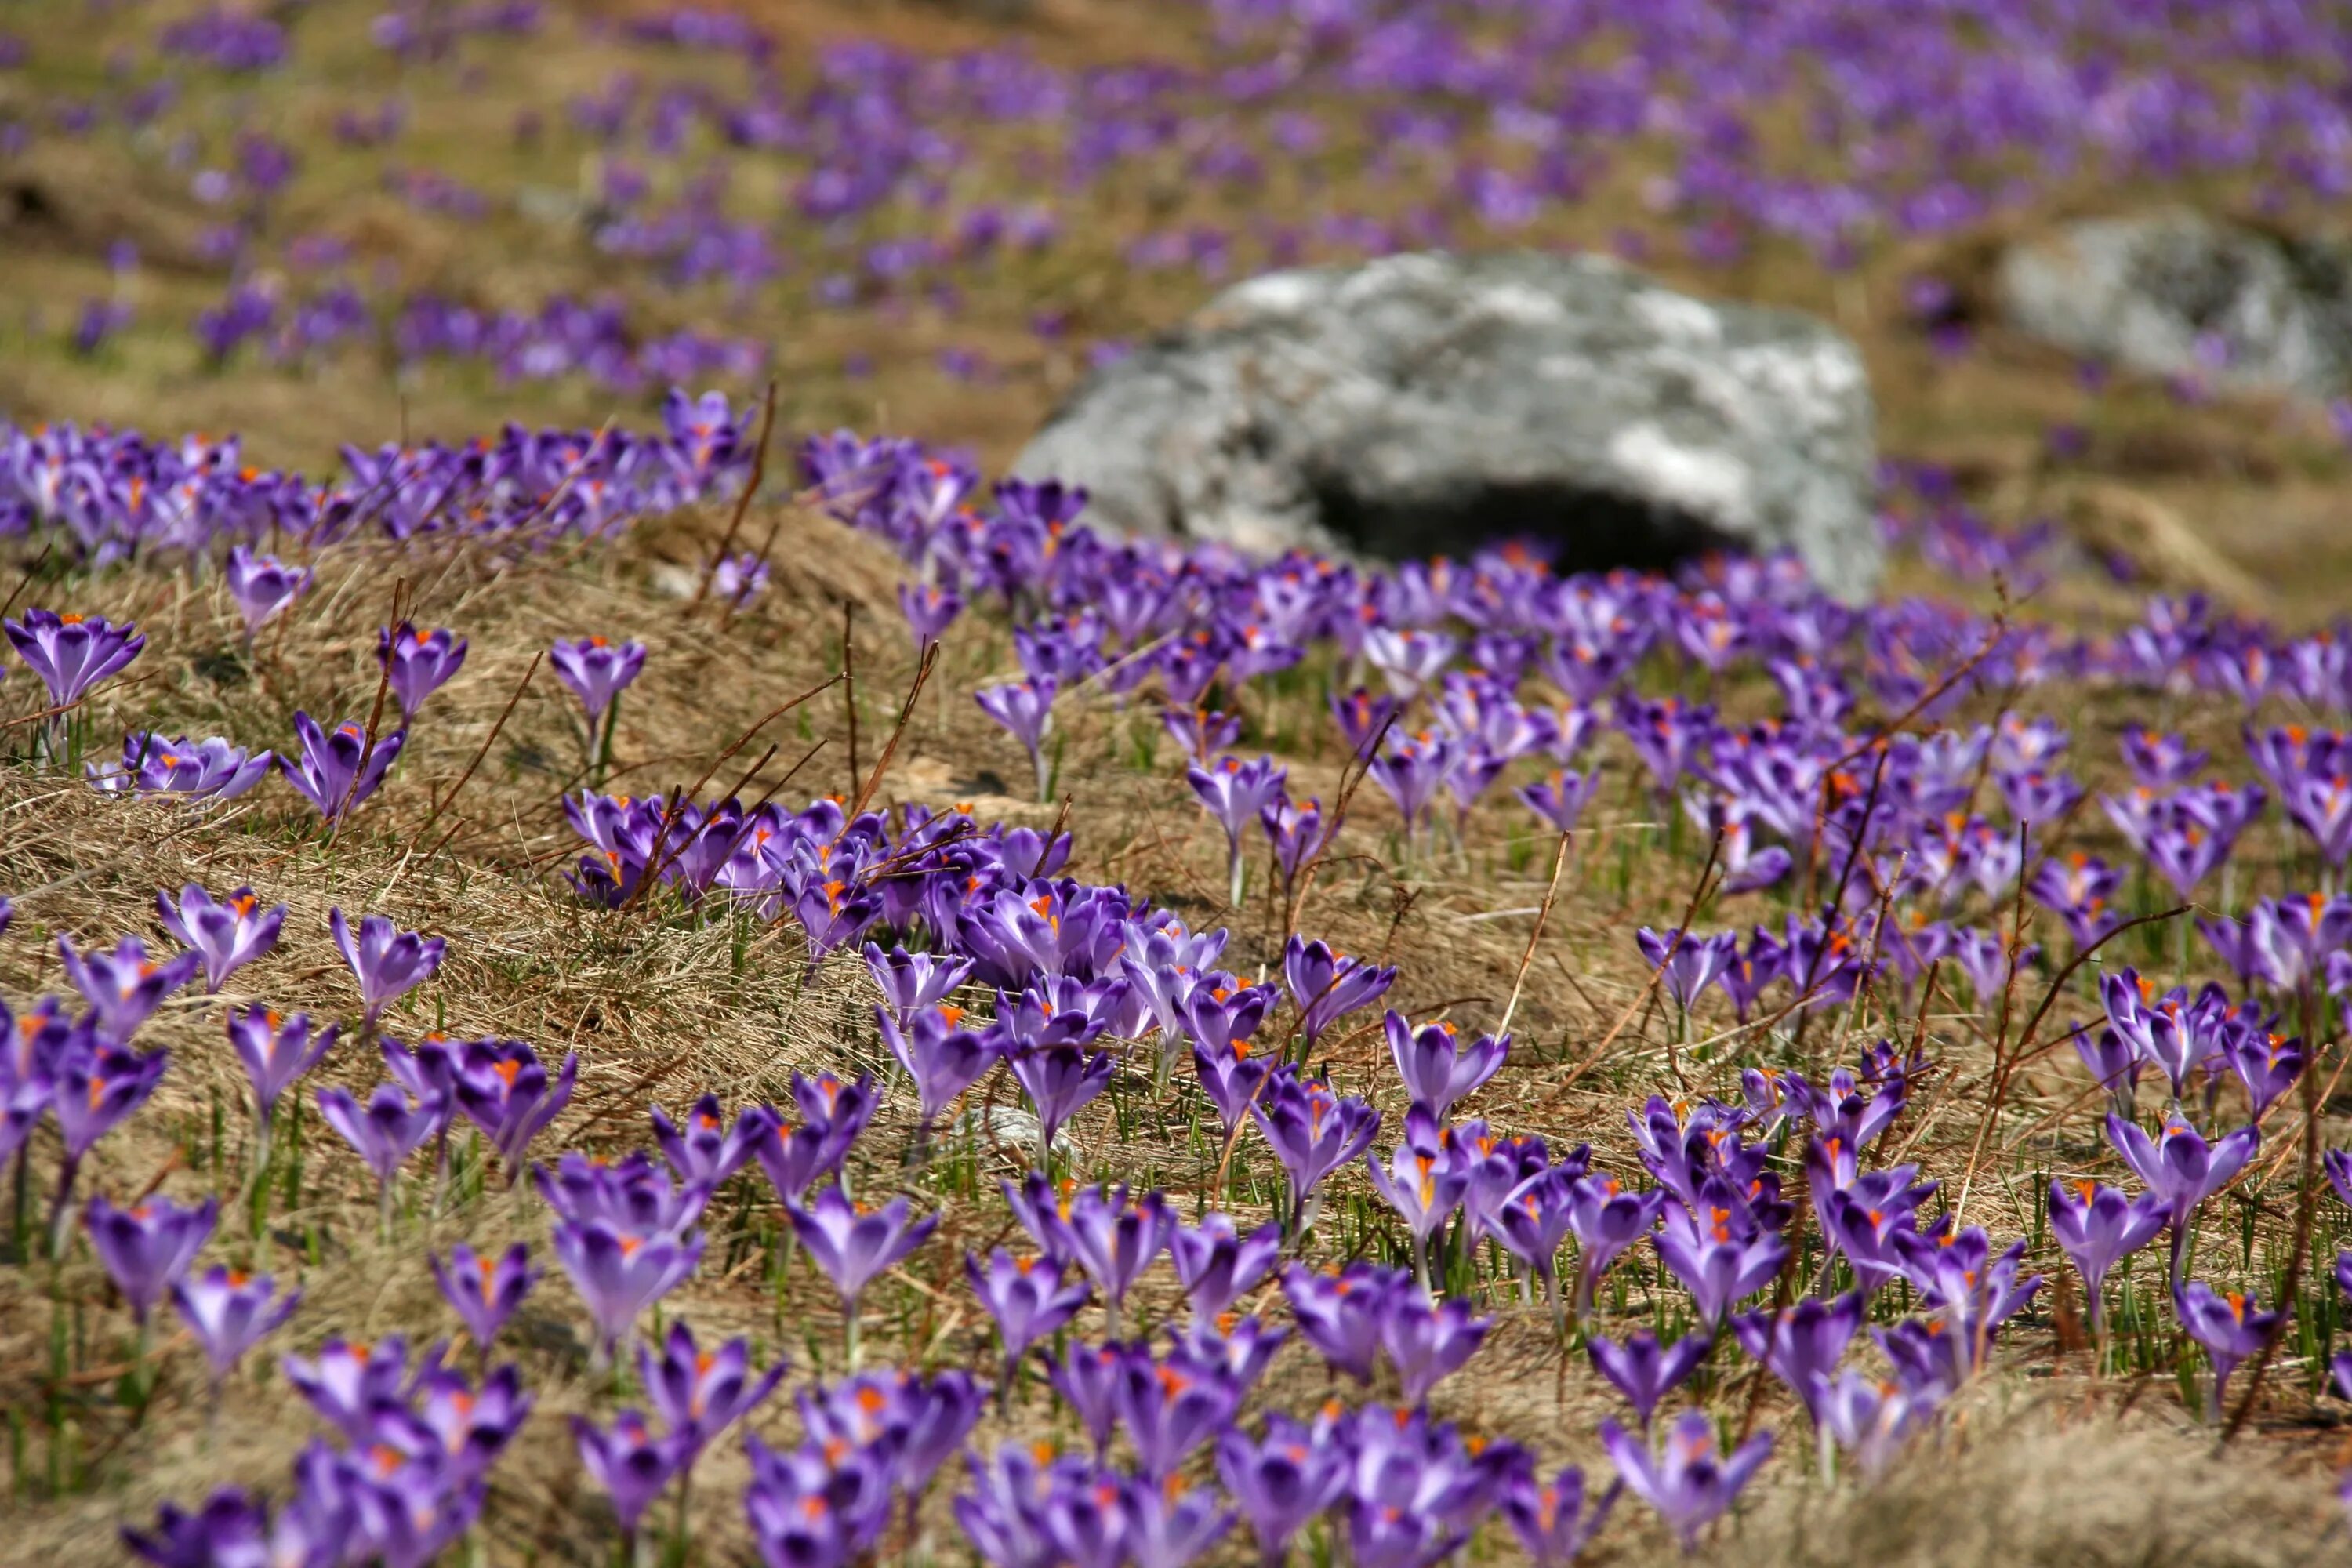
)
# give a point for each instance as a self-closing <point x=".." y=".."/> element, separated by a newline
<point x="2177" y="293"/>
<point x="1419" y="404"/>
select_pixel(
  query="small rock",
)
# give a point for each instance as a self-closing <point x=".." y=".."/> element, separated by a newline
<point x="1419" y="404"/>
<point x="2177" y="293"/>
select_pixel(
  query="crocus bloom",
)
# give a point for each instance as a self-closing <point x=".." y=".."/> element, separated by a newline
<point x="2097" y="1227"/>
<point x="911" y="981"/>
<point x="1689" y="962"/>
<point x="705" y="1149"/>
<point x="1550" y="1519"/>
<point x="1687" y="1481"/>
<point x="619" y="1276"/>
<point x="353" y="1385"/>
<point x="1437" y="1068"/>
<point x="339" y="769"/>
<point x="1087" y="1375"/>
<point x="1232" y="793"/>
<point x="275" y="1052"/>
<point x="700" y="1393"/>
<point x="229" y="934"/>
<point x="1113" y="1239"/>
<point x="1172" y="1407"/>
<point x="632" y="1465"/>
<point x="384" y="1133"/>
<point x="93" y="1087"/>
<point x="1531" y="1222"/>
<point x="1028" y="1298"/>
<point x="1313" y="1132"/>
<point x="1168" y="1524"/>
<point x="386" y="961"/>
<point x="2180" y="1168"/>
<point x="146" y="1250"/>
<point x="1715" y="1263"/>
<point x="1060" y="1081"/>
<point x="1643" y="1372"/>
<point x="941" y="1057"/>
<point x="124" y="986"/>
<point x="209" y="769"/>
<point x="596" y="670"/>
<point x="854" y="1247"/>
<point x="1026" y="709"/>
<point x="2231" y="1328"/>
<point x="1427" y="1341"/>
<point x="416" y="667"/>
<point x="505" y="1091"/>
<point x="1425" y="1181"/>
<point x="230" y="1313"/>
<point x="262" y="585"/>
<point x="1340" y="1313"/>
<point x="1329" y="985"/>
<point x="1281" y="1481"/>
<point x="1798" y="1345"/>
<point x="1872" y="1421"/>
<point x="1217" y="1265"/>
<point x="1607" y="1219"/>
<point x="484" y="1291"/>
<point x="71" y="653"/>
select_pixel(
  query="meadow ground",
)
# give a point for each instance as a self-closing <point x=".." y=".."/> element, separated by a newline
<point x="811" y="687"/>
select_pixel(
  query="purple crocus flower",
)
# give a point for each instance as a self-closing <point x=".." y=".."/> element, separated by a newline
<point x="210" y="769"/>
<point x="2180" y="1168"/>
<point x="147" y="1248"/>
<point x="1060" y="1081"/>
<point x="227" y="935"/>
<point x="230" y="1312"/>
<point x="72" y="653"/>
<point x="384" y="1133"/>
<point x="386" y="961"/>
<point x="1217" y="1265"/>
<point x="1642" y="1371"/>
<point x="1716" y="1262"/>
<point x="632" y="1465"/>
<point x="1169" y="1525"/>
<point x="1688" y="1479"/>
<point x="1531" y="1222"/>
<point x="1549" y="1517"/>
<point x="2097" y="1227"/>
<point x="339" y="769"/>
<point x="1801" y="1343"/>
<point x="1691" y="962"/>
<point x="930" y="610"/>
<point x="1313" y="1132"/>
<point x="1329" y="985"/>
<point x="1437" y="1068"/>
<point x="1427" y="1342"/>
<point x="1281" y="1480"/>
<point x="1243" y="1346"/>
<point x="597" y="671"/>
<point x="1607" y="1219"/>
<point x="853" y="1248"/>
<point x="1172" y="1406"/>
<point x="1425" y="1181"/>
<point x="1025" y="708"/>
<point x="484" y="1291"/>
<point x="618" y="1275"/>
<point x="230" y="1528"/>
<point x="701" y="1393"/>
<point x="1559" y="798"/>
<point x="504" y="1091"/>
<point x="1340" y="1313"/>
<point x="1231" y="1078"/>
<point x="353" y="1385"/>
<point x="2230" y="1325"/>
<point x="262" y="585"/>
<point x="1113" y="1239"/>
<point x="705" y="1150"/>
<point x="1870" y="1420"/>
<point x="1087" y="1375"/>
<point x="941" y="1057"/>
<point x="275" y="1052"/>
<point x="1028" y="1298"/>
<point x="415" y="665"/>
<point x="1233" y="792"/>
<point x="912" y="982"/>
<point x="93" y="1087"/>
<point x="124" y="986"/>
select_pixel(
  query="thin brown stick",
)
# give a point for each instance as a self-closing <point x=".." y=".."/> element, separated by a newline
<point x="1347" y="788"/>
<point x="890" y="746"/>
<point x="1690" y="911"/>
<point x="1552" y="892"/>
<point x="489" y="741"/>
<point x="849" y="693"/>
<point x="742" y="503"/>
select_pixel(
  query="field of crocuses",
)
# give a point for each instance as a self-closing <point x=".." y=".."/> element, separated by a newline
<point x="596" y="978"/>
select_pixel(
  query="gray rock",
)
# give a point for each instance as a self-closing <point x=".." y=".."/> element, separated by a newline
<point x="2177" y="293"/>
<point x="1416" y="405"/>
